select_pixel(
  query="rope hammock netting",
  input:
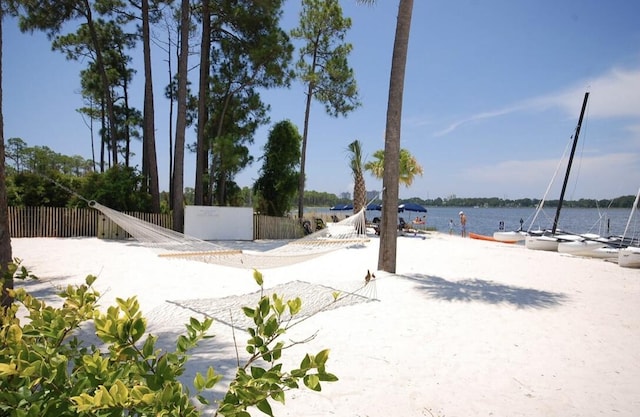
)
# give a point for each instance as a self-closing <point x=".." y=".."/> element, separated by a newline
<point x="346" y="233"/>
<point x="316" y="298"/>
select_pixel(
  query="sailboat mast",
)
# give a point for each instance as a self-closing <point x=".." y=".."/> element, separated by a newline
<point x="633" y="209"/>
<point x="566" y="175"/>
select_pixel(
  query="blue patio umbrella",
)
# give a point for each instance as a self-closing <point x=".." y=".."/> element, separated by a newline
<point x="374" y="207"/>
<point x="411" y="207"/>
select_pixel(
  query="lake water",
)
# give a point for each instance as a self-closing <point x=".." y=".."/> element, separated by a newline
<point x="485" y="221"/>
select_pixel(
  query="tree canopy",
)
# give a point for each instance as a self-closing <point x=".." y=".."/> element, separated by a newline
<point x="278" y="179"/>
<point x="323" y="67"/>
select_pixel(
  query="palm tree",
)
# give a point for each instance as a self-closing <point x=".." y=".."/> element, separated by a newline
<point x="390" y="181"/>
<point x="408" y="167"/>
<point x="356" y="165"/>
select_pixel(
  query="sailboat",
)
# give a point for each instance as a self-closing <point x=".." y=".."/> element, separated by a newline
<point x="595" y="246"/>
<point x="629" y="257"/>
<point x="510" y="236"/>
<point x="548" y="239"/>
<point x="591" y="246"/>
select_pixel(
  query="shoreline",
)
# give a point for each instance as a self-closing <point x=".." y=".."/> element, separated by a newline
<point x="463" y="328"/>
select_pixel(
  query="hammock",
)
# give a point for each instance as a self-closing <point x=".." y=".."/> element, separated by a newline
<point x="171" y="244"/>
<point x="316" y="298"/>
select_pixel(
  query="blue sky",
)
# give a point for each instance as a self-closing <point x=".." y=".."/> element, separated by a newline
<point x="493" y="92"/>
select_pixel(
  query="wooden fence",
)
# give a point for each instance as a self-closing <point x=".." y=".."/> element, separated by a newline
<point x="267" y="227"/>
<point x="89" y="222"/>
<point x="72" y="222"/>
<point x="52" y="222"/>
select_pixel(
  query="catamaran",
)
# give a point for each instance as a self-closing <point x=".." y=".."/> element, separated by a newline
<point x="549" y="239"/>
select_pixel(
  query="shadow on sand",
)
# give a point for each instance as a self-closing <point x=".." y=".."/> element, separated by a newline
<point x="488" y="292"/>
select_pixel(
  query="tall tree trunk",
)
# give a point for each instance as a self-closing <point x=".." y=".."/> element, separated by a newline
<point x="359" y="186"/>
<point x="359" y="193"/>
<point x="127" y="126"/>
<point x="391" y="176"/>
<point x="171" y="158"/>
<point x="113" y="127"/>
<point x="212" y="177"/>
<point x="201" y="146"/>
<point x="181" y="120"/>
<point x="222" y="190"/>
<point x="103" y="137"/>
<point x="148" y="128"/>
<point x="303" y="153"/>
<point x="215" y="158"/>
<point x="5" y="240"/>
<point x="91" y="134"/>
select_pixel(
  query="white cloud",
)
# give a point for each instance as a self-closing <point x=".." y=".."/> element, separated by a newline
<point x="479" y="116"/>
<point x="612" y="95"/>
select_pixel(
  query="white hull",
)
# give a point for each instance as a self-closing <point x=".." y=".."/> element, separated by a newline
<point x="509" y="237"/>
<point x="541" y="243"/>
<point x="589" y="248"/>
<point x="548" y="243"/>
<point x="629" y="257"/>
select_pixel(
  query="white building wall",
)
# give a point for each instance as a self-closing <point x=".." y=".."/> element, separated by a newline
<point x="219" y="223"/>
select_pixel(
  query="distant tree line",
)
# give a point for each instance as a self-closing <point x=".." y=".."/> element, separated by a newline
<point x="618" y="202"/>
<point x="320" y="199"/>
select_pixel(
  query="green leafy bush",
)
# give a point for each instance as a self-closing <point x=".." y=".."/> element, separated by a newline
<point x="47" y="370"/>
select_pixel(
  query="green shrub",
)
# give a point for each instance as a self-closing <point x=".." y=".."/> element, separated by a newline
<point x="47" y="370"/>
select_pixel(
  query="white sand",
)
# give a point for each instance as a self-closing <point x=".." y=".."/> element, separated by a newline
<point x="465" y="327"/>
